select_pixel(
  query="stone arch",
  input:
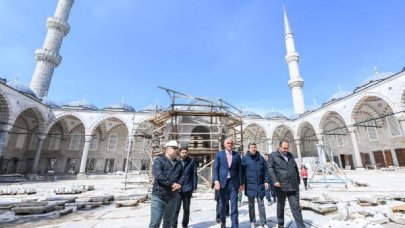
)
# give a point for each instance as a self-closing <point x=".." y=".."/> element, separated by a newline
<point x="307" y="135"/>
<point x="257" y="134"/>
<point x="63" y="124"/>
<point x="106" y="118"/>
<point x="200" y="136"/>
<point x="37" y="114"/>
<point x="283" y="132"/>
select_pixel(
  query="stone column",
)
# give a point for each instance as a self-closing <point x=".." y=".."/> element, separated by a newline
<point x="270" y="145"/>
<point x="85" y="154"/>
<point x="3" y="137"/>
<point x="298" y="144"/>
<point x="38" y="151"/>
<point x="356" y="152"/>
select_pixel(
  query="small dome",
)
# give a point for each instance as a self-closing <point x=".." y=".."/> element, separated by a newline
<point x="376" y="77"/>
<point x="338" y="95"/>
<point x="251" y="114"/>
<point x="120" y="107"/>
<point x="80" y="104"/>
<point x="21" y="88"/>
<point x="49" y="103"/>
<point x="275" y="115"/>
<point x="153" y="108"/>
<point x="294" y="116"/>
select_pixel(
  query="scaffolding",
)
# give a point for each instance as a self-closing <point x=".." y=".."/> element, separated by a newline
<point x="327" y="172"/>
<point x="201" y="124"/>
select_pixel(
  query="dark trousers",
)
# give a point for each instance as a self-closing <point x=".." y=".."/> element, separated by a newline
<point x="185" y="199"/>
<point x="229" y="192"/>
<point x="218" y="212"/>
<point x="305" y="182"/>
<point x="294" y="201"/>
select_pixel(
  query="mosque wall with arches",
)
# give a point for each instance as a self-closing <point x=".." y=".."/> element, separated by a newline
<point x="363" y="129"/>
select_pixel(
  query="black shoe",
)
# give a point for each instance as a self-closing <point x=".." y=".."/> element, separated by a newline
<point x="223" y="225"/>
<point x="280" y="226"/>
<point x="218" y="220"/>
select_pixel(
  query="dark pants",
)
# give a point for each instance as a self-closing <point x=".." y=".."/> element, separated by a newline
<point x="294" y="201"/>
<point x="185" y="199"/>
<point x="229" y="192"/>
<point x="260" y="206"/>
<point x="218" y="212"/>
<point x="305" y="183"/>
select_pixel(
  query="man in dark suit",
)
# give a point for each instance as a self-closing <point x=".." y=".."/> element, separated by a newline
<point x="227" y="177"/>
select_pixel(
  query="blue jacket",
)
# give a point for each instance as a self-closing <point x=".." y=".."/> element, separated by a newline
<point x="255" y="174"/>
<point x="189" y="179"/>
<point x="165" y="174"/>
<point x="220" y="172"/>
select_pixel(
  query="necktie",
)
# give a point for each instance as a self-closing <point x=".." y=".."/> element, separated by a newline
<point x="229" y="157"/>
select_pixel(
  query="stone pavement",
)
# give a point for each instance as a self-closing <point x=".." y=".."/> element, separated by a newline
<point x="203" y="205"/>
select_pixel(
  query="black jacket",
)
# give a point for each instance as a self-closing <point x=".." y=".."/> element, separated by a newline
<point x="165" y="174"/>
<point x="190" y="179"/>
<point x="286" y="173"/>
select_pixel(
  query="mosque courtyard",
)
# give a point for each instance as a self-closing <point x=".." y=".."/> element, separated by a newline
<point x="386" y="187"/>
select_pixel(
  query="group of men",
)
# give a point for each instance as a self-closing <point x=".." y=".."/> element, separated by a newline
<point x="176" y="180"/>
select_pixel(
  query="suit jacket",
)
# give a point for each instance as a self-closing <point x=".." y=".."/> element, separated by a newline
<point x="221" y="169"/>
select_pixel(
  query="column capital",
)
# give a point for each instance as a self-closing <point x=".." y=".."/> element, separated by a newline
<point x="88" y="138"/>
<point x="297" y="141"/>
<point x="41" y="136"/>
<point x="351" y="129"/>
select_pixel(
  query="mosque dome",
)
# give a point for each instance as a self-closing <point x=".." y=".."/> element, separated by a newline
<point x="338" y="95"/>
<point x="251" y="114"/>
<point x="80" y="104"/>
<point x="49" y="103"/>
<point x="22" y="88"/>
<point x="376" y="77"/>
<point x="294" y="116"/>
<point x="152" y="108"/>
<point x="275" y="115"/>
<point x="123" y="107"/>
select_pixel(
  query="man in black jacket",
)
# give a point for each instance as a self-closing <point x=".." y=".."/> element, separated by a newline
<point x="188" y="185"/>
<point x="285" y="175"/>
<point x="167" y="172"/>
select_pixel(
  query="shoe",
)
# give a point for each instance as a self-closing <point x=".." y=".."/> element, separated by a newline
<point x="252" y="225"/>
<point x="223" y="225"/>
<point x="280" y="226"/>
<point x="218" y="220"/>
<point x="269" y="203"/>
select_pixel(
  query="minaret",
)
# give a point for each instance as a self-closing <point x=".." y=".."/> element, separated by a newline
<point x="292" y="57"/>
<point x="48" y="57"/>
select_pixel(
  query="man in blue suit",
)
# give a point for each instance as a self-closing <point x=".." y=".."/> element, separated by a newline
<point x="227" y="177"/>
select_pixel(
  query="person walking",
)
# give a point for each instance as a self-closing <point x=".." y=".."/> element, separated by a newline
<point x="167" y="172"/>
<point x="304" y="176"/>
<point x="256" y="180"/>
<point x="270" y="191"/>
<point x="188" y="184"/>
<point x="284" y="173"/>
<point x="228" y="180"/>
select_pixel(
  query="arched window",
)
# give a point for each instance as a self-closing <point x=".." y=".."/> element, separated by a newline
<point x="339" y="137"/>
<point x="112" y="142"/>
<point x="56" y="138"/>
<point x="75" y="141"/>
<point x="94" y="141"/>
<point x="372" y="130"/>
<point x="22" y="135"/>
<point x="393" y="125"/>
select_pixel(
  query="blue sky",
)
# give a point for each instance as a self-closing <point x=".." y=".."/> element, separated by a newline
<point x="208" y="48"/>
